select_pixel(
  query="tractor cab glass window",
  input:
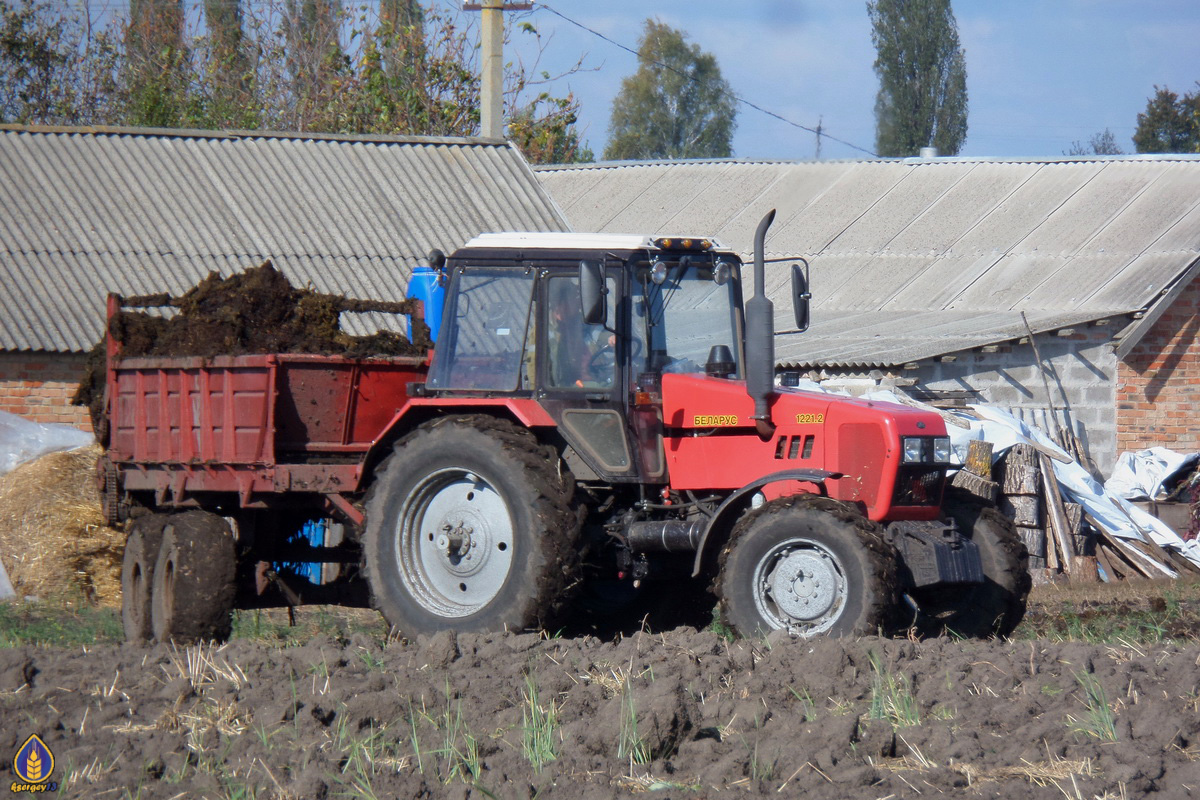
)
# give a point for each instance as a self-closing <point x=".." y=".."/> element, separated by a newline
<point x="680" y="319"/>
<point x="579" y="355"/>
<point x="483" y="349"/>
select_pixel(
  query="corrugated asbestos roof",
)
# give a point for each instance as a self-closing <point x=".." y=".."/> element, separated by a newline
<point x="84" y="212"/>
<point x="917" y="258"/>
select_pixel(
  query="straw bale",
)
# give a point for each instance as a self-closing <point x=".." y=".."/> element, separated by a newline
<point x="53" y="540"/>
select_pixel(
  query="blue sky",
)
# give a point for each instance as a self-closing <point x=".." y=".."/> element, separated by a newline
<point x="1040" y="73"/>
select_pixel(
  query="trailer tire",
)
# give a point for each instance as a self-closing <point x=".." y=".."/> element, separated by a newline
<point x="808" y="565"/>
<point x="137" y="575"/>
<point x="193" y="592"/>
<point x="471" y="525"/>
<point x="994" y="607"/>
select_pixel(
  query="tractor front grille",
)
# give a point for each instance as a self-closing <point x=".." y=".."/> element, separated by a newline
<point x="919" y="485"/>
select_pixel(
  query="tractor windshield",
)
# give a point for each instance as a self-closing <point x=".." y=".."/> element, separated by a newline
<point x="677" y="322"/>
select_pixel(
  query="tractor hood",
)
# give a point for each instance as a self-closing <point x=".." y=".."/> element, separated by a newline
<point x="713" y="442"/>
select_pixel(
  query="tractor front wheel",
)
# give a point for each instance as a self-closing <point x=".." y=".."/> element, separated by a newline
<point x="470" y="526"/>
<point x="994" y="607"/>
<point x="810" y="566"/>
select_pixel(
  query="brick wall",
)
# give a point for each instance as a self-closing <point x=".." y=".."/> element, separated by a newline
<point x="39" y="386"/>
<point x="1158" y="382"/>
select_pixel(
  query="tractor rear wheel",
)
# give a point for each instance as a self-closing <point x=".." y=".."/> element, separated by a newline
<point x="994" y="607"/>
<point x="471" y="526"/>
<point x="137" y="575"/>
<point x="192" y="598"/>
<point x="810" y="566"/>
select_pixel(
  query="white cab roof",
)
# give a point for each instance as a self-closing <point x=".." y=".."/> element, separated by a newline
<point x="577" y="241"/>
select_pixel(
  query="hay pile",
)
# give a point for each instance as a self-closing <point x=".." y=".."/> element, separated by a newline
<point x="53" y="540"/>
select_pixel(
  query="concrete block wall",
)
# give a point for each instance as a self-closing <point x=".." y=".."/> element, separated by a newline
<point x="39" y="387"/>
<point x="1158" y="382"/>
<point x="1084" y="369"/>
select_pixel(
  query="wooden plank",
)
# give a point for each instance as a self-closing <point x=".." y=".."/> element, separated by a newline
<point x="1107" y="562"/>
<point x="1182" y="562"/>
<point x="1055" y="514"/>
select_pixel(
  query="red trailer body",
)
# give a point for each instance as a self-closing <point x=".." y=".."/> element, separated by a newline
<point x="254" y="424"/>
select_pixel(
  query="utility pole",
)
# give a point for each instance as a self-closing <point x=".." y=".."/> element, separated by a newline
<point x="491" y="84"/>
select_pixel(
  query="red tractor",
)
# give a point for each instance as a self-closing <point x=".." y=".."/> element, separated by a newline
<point x="598" y="417"/>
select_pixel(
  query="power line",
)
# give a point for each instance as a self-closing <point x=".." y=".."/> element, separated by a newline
<point x="819" y="131"/>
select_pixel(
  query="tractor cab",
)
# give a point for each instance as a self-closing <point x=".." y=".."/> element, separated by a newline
<point x="588" y="325"/>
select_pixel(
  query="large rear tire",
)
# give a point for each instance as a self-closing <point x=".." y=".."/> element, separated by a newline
<point x="194" y="579"/>
<point x="137" y="575"/>
<point x="471" y="526"/>
<point x="810" y="566"/>
<point x="994" y="607"/>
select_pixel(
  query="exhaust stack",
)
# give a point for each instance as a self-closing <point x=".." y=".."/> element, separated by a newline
<point x="760" y="337"/>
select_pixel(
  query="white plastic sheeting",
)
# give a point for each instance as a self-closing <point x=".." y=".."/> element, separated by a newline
<point x="1141" y="475"/>
<point x="22" y="440"/>
<point x="1114" y="514"/>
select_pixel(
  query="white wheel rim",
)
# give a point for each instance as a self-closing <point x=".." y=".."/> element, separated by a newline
<point x="800" y="586"/>
<point x="454" y="547"/>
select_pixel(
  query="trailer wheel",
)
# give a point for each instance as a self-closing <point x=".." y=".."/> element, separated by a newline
<point x="137" y="575"/>
<point x="193" y="592"/>
<point x="994" y="607"/>
<point x="470" y="526"/>
<point x="809" y="566"/>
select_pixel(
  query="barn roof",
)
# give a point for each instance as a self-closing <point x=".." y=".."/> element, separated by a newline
<point x="916" y="258"/>
<point x="88" y="211"/>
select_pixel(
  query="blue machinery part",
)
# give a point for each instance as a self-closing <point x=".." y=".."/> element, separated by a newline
<point x="424" y="286"/>
<point x="313" y="533"/>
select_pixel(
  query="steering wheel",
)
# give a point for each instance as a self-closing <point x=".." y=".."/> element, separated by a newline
<point x="604" y="360"/>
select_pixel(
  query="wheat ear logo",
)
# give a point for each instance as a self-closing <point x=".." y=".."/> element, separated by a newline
<point x="33" y="765"/>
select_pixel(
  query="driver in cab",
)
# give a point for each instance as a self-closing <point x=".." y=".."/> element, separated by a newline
<point x="581" y="356"/>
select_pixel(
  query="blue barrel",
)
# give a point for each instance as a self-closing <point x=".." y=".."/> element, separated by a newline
<point x="424" y="286"/>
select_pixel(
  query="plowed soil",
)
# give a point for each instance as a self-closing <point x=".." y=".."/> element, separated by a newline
<point x="683" y="713"/>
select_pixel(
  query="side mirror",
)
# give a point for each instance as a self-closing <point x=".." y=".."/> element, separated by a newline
<point x="592" y="293"/>
<point x="800" y="295"/>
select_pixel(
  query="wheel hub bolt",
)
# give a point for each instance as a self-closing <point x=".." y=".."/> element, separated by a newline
<point x="455" y="540"/>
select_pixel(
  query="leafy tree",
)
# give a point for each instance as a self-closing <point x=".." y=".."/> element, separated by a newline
<point x="676" y="105"/>
<point x="258" y="68"/>
<point x="52" y="70"/>
<point x="314" y="54"/>
<point x="229" y="62"/>
<point x="550" y="137"/>
<point x="1170" y="123"/>
<point x="1101" y="144"/>
<point x="156" y="60"/>
<point x="922" y="99"/>
<point x="401" y="35"/>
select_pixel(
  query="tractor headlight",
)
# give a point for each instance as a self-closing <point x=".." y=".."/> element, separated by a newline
<point x="926" y="449"/>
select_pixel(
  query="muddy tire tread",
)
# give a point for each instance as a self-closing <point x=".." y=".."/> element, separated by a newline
<point x="554" y="506"/>
<point x="205" y="559"/>
<point x="142" y="544"/>
<point x="881" y="556"/>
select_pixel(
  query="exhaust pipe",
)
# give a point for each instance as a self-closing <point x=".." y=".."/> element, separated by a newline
<point x="760" y="337"/>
